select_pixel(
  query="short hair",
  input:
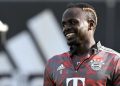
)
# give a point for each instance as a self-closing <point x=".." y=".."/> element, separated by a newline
<point x="87" y="8"/>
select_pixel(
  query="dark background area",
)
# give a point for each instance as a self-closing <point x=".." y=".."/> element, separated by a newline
<point x="15" y="14"/>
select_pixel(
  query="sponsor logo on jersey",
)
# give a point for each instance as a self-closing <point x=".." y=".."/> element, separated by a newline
<point x="75" y="81"/>
<point x="96" y="63"/>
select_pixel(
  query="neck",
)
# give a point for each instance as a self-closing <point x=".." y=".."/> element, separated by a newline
<point x="90" y="43"/>
<point x="83" y="48"/>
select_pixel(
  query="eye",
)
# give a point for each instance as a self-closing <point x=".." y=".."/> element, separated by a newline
<point x="73" y="22"/>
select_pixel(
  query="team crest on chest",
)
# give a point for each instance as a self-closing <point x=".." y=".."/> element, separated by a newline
<point x="96" y="63"/>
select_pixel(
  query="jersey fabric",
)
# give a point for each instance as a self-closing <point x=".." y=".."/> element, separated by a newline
<point x="100" y="69"/>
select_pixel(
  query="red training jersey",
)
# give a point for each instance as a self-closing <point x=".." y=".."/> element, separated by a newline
<point x="100" y="69"/>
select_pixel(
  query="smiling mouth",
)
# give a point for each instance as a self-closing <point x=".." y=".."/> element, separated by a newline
<point x="70" y="35"/>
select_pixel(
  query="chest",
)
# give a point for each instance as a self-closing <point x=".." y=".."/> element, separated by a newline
<point x="90" y="72"/>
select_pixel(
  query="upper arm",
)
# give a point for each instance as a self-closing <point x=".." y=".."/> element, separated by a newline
<point x="116" y="76"/>
<point x="48" y="79"/>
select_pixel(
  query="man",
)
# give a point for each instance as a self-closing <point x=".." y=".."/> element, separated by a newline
<point x="87" y="63"/>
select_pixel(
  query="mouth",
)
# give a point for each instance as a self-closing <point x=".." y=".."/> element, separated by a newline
<point x="70" y="35"/>
<point x="69" y="32"/>
<point x="71" y="38"/>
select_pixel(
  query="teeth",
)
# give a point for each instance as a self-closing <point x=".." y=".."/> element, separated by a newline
<point x="70" y="34"/>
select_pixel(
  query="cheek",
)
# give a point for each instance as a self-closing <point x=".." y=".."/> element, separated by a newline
<point x="83" y="31"/>
<point x="83" y="27"/>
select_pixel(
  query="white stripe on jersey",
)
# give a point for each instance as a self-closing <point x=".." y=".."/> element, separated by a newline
<point x="101" y="47"/>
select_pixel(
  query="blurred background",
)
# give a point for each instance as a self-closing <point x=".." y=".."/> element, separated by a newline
<point x="35" y="35"/>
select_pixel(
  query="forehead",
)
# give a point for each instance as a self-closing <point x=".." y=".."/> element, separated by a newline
<point x="72" y="13"/>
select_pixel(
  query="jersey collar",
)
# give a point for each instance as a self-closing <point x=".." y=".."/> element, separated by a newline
<point x="93" y="50"/>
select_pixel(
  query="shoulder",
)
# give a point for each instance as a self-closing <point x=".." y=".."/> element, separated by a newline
<point x="53" y="63"/>
<point x="107" y="50"/>
<point x="112" y="57"/>
<point x="58" y="58"/>
<point x="110" y="51"/>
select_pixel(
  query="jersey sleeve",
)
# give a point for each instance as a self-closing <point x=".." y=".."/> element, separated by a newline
<point x="48" y="81"/>
<point x="116" y="76"/>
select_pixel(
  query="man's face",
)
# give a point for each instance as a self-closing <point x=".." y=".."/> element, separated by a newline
<point x="75" y="26"/>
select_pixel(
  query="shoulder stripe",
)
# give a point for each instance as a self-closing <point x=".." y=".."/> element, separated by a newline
<point x="109" y="50"/>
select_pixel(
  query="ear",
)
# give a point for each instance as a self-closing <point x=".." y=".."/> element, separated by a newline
<point x="91" y="24"/>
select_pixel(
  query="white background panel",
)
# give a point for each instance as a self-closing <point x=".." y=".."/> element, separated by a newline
<point x="25" y="54"/>
<point x="48" y="33"/>
<point x="36" y="82"/>
<point x="5" y="65"/>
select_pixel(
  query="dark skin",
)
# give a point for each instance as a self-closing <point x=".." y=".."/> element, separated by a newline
<point x="78" y="30"/>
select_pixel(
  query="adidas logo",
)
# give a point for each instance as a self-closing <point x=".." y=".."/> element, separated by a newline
<point x="61" y="67"/>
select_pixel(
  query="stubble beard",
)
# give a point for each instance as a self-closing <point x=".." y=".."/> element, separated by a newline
<point x="76" y="46"/>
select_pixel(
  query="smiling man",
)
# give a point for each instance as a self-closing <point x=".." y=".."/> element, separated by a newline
<point x="87" y="63"/>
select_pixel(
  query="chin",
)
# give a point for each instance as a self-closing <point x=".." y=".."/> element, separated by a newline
<point x="72" y="42"/>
